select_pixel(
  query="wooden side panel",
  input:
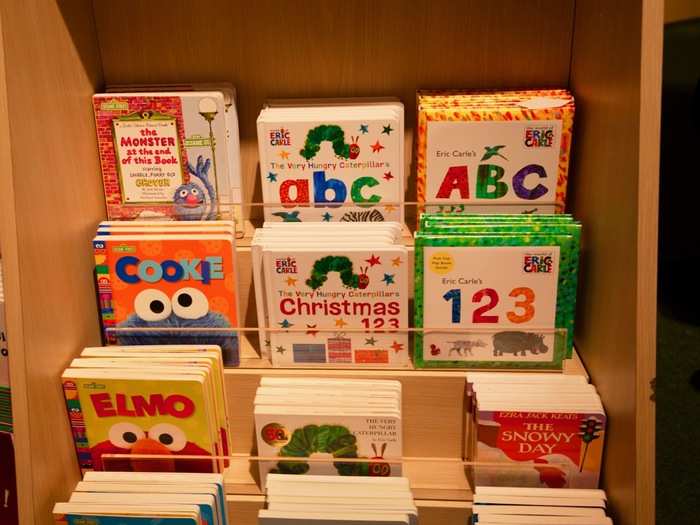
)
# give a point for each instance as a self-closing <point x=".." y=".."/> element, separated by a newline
<point x="315" y="49"/>
<point x="51" y="199"/>
<point x="613" y="192"/>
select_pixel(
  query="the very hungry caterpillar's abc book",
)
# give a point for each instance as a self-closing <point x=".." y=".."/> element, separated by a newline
<point x="163" y="155"/>
<point x="494" y="151"/>
<point x="340" y="161"/>
<point x="168" y="289"/>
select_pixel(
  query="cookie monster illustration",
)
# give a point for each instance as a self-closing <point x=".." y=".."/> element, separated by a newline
<point x="187" y="308"/>
<point x="196" y="200"/>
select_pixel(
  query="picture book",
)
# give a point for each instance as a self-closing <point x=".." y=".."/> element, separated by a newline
<point x="305" y="418"/>
<point x="494" y="151"/>
<point x="495" y="294"/>
<point x="157" y="288"/>
<point x="335" y="162"/>
<point x="164" y="155"/>
<point x="163" y="410"/>
<point x="330" y="289"/>
<point x="120" y="514"/>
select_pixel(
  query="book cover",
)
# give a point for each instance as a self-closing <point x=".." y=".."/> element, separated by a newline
<point x="141" y="416"/>
<point x="313" y="289"/>
<point x="342" y="169"/>
<point x="504" y="152"/>
<point x="182" y="284"/>
<point x="163" y="155"/>
<point x="539" y="449"/>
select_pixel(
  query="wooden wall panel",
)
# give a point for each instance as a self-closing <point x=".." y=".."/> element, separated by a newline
<point x="318" y="48"/>
<point x="614" y="192"/>
<point x="51" y="199"/>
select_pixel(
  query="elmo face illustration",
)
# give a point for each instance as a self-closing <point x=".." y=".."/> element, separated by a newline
<point x="162" y="439"/>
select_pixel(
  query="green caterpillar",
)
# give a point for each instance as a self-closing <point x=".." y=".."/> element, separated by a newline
<point x="330" y="132"/>
<point x="340" y="264"/>
<point x="333" y="439"/>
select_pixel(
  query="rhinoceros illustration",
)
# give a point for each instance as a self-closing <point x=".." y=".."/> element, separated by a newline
<point x="518" y="343"/>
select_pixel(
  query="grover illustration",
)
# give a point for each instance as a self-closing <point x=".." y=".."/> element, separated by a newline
<point x="187" y="308"/>
<point x="196" y="200"/>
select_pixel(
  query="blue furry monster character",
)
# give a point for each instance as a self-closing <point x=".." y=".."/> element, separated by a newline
<point x="187" y="308"/>
<point x="196" y="200"/>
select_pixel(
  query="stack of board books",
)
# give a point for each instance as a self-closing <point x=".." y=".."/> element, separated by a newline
<point x="8" y="481"/>
<point x="168" y="282"/>
<point x="5" y="394"/>
<point x="508" y="282"/>
<point x="534" y="430"/>
<point x="332" y="159"/>
<point x="169" y="151"/>
<point x="129" y="401"/>
<point x="141" y="498"/>
<point x="538" y="506"/>
<point x="329" y="293"/>
<point x="334" y="419"/>
<point x="320" y="500"/>
<point x="494" y="151"/>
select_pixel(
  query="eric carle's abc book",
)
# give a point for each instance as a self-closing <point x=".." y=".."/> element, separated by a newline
<point x="334" y="418"/>
<point x="508" y="282"/>
<point x="504" y="151"/>
<point x="164" y="155"/>
<point x="184" y="284"/>
<point x="334" y="161"/>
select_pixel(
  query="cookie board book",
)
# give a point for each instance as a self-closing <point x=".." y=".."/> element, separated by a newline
<point x="535" y="431"/>
<point x="332" y="295"/>
<point x="164" y="155"/>
<point x="333" y="161"/>
<point x="495" y="291"/>
<point x="333" y="418"/>
<point x="182" y="284"/>
<point x="494" y="151"/>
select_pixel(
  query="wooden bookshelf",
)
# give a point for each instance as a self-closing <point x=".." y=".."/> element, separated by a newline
<point x="56" y="53"/>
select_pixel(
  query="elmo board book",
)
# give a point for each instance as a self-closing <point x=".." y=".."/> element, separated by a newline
<point x="168" y="289"/>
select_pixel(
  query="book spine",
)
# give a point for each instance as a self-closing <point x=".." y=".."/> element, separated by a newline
<point x="77" y="424"/>
<point x="104" y="290"/>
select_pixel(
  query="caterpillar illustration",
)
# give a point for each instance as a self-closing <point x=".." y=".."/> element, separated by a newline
<point x="340" y="264"/>
<point x="363" y="216"/>
<point x="335" y="135"/>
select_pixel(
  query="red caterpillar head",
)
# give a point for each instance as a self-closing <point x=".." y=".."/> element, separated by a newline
<point x="354" y="148"/>
<point x="379" y="469"/>
<point x="363" y="278"/>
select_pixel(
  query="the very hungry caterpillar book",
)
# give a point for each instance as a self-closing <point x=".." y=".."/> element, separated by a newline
<point x="332" y="162"/>
<point x="509" y="285"/>
<point x="502" y="151"/>
<point x="184" y="284"/>
<point x="163" y="154"/>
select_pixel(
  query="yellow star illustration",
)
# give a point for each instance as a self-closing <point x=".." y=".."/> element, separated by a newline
<point x="284" y="154"/>
<point x="340" y="323"/>
<point x="396" y="262"/>
<point x="389" y="208"/>
<point x="291" y="281"/>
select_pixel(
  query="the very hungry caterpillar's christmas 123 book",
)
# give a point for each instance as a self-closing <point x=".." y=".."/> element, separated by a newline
<point x="184" y="284"/>
<point x="494" y="151"/>
<point x="163" y="155"/>
<point x="334" y="162"/>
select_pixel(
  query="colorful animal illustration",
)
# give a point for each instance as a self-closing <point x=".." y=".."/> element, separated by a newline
<point x="518" y="343"/>
<point x="341" y="264"/>
<point x="187" y="308"/>
<point x="288" y="216"/>
<point x="126" y="437"/>
<point x="362" y="216"/>
<point x="464" y="347"/>
<point x="493" y="151"/>
<point x="196" y="200"/>
<point x="435" y="350"/>
<point x="327" y="132"/>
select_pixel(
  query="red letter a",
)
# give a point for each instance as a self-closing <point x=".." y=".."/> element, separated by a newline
<point x="302" y="192"/>
<point x="455" y="179"/>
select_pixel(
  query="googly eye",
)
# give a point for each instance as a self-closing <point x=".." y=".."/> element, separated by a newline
<point x="152" y="305"/>
<point x="169" y="436"/>
<point x="194" y="191"/>
<point x="183" y="193"/>
<point x="190" y="303"/>
<point x="124" y="435"/>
